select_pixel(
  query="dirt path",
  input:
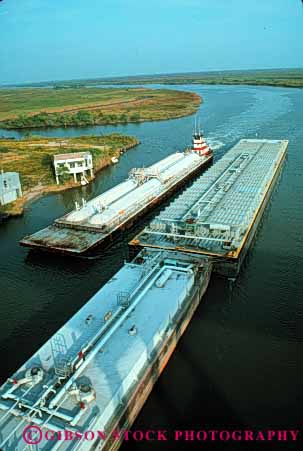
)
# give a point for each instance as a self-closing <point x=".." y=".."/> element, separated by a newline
<point x="65" y="143"/>
<point x="87" y="107"/>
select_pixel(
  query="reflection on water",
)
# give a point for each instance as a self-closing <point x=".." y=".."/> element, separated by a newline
<point x="239" y="363"/>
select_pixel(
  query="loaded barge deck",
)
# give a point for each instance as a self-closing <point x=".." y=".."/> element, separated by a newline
<point x="97" y="371"/>
<point x="99" y="220"/>
<point x="218" y="215"/>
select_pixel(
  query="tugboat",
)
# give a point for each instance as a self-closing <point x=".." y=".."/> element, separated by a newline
<point x="199" y="145"/>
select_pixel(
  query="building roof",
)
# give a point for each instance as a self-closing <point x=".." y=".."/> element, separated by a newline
<point x="9" y="181"/>
<point x="9" y="174"/>
<point x="71" y="156"/>
<point x="12" y="177"/>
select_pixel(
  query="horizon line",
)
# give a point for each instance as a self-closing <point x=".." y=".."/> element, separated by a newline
<point x="162" y="74"/>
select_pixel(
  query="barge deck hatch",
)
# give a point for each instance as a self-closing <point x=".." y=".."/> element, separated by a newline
<point x="216" y="214"/>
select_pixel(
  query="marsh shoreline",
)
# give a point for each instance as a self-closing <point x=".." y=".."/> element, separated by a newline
<point x="16" y="208"/>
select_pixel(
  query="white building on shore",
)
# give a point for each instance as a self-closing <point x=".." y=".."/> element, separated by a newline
<point x="10" y="187"/>
<point x="73" y="163"/>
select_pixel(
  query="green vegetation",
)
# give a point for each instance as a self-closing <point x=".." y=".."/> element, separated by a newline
<point x="292" y="78"/>
<point x="81" y="106"/>
<point x="32" y="157"/>
<point x="271" y="77"/>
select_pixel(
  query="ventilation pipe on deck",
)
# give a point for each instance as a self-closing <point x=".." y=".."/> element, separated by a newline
<point x="85" y="394"/>
<point x="164" y="278"/>
<point x="33" y="376"/>
<point x="98" y="343"/>
<point x="91" y="353"/>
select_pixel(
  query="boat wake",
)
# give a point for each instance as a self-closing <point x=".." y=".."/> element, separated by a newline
<point x="266" y="107"/>
<point x="214" y="144"/>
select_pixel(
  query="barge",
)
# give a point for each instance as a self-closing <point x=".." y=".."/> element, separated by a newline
<point x="97" y="371"/>
<point x="99" y="220"/>
<point x="218" y="215"/>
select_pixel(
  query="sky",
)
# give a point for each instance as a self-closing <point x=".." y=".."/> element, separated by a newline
<point x="69" y="39"/>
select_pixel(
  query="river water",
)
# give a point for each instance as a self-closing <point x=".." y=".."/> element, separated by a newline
<point x="239" y="363"/>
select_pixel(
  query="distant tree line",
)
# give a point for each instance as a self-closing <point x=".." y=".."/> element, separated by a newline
<point x="79" y="119"/>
